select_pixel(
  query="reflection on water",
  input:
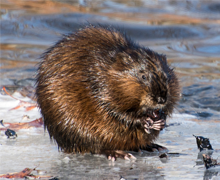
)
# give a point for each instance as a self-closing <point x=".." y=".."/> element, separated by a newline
<point x="186" y="31"/>
<point x="203" y="100"/>
<point x="192" y="45"/>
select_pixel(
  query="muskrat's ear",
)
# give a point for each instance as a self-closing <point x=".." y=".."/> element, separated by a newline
<point x="122" y="61"/>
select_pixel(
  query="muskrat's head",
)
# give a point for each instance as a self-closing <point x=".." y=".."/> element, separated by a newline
<point x="142" y="88"/>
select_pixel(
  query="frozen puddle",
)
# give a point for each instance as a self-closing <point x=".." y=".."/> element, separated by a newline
<point x="33" y="148"/>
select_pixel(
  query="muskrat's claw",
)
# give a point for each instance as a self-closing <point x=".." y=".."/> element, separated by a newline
<point x="148" y="123"/>
<point x="158" y="125"/>
<point x="114" y="154"/>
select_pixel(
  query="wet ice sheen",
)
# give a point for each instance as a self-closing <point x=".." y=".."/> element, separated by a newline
<point x="33" y="148"/>
<point x="187" y="32"/>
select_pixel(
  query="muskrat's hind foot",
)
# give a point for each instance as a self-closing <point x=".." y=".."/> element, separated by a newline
<point x="114" y="154"/>
<point x="154" y="148"/>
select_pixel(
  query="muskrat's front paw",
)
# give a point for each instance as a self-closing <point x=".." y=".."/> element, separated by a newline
<point x="155" y="148"/>
<point x="156" y="125"/>
<point x="114" y="154"/>
<point x="159" y="125"/>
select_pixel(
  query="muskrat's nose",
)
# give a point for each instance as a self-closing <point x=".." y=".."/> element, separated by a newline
<point x="161" y="100"/>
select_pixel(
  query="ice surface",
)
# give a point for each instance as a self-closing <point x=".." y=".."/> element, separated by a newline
<point x="33" y="148"/>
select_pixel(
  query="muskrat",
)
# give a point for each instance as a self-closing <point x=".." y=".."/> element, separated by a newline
<point x="101" y="93"/>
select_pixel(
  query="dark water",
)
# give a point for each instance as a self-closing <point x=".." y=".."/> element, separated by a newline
<point x="188" y="32"/>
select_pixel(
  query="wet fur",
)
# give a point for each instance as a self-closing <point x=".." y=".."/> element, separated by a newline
<point x="94" y="88"/>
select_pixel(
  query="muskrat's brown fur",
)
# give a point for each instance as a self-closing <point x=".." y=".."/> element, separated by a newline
<point x="96" y="87"/>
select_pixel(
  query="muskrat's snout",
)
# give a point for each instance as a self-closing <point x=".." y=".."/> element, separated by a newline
<point x="155" y="114"/>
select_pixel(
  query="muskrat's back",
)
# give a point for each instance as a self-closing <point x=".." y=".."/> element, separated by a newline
<point x="99" y="91"/>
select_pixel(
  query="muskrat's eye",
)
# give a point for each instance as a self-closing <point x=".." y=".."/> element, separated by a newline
<point x="144" y="77"/>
